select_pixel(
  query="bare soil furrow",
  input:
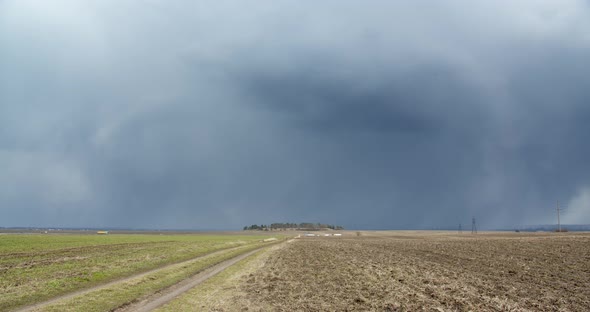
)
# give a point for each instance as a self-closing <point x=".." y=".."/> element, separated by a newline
<point x="426" y="272"/>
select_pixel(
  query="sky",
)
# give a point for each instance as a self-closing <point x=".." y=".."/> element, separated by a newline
<point x="366" y="114"/>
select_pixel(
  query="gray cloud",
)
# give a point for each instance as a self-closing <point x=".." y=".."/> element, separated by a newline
<point x="219" y="114"/>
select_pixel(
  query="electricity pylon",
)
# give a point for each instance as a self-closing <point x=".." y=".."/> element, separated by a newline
<point x="558" y="219"/>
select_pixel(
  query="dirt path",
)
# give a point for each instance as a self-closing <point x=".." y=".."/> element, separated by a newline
<point x="158" y="299"/>
<point x="122" y="280"/>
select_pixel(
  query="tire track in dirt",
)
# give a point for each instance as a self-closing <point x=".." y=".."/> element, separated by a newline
<point x="160" y="298"/>
<point x="71" y="295"/>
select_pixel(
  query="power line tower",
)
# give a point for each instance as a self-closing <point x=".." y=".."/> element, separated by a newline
<point x="460" y="229"/>
<point x="473" y="226"/>
<point x="558" y="219"/>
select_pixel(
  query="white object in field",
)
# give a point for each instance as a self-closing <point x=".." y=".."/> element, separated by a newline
<point x="337" y="234"/>
<point x="327" y="235"/>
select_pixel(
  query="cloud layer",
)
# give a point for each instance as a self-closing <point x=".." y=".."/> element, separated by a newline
<point x="183" y="114"/>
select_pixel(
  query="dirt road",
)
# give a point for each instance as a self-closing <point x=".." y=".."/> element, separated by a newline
<point x="161" y="298"/>
<point x="41" y="305"/>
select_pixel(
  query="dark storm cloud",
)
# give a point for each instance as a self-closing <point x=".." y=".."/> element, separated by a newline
<point x="219" y="114"/>
<point x="429" y="99"/>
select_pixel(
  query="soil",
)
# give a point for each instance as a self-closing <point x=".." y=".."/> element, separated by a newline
<point x="425" y="272"/>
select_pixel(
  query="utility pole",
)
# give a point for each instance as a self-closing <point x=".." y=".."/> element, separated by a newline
<point x="473" y="226"/>
<point x="460" y="229"/>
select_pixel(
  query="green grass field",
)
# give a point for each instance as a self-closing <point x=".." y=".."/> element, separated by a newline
<point x="34" y="268"/>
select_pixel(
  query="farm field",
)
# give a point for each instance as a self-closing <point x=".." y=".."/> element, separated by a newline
<point x="37" y="267"/>
<point x="406" y="271"/>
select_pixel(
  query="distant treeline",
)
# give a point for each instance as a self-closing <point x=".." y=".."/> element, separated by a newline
<point x="553" y="227"/>
<point x="293" y="226"/>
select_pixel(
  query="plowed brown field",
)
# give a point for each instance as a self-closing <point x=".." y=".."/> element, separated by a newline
<point x="431" y="272"/>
